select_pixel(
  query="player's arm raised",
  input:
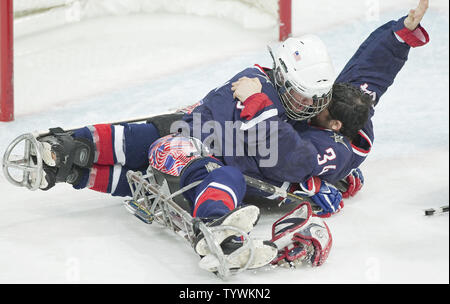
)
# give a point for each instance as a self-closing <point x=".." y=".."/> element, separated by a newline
<point x="375" y="65"/>
<point x="415" y="15"/>
<point x="383" y="54"/>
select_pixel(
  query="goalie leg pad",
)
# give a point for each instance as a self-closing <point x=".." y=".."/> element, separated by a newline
<point x="301" y="236"/>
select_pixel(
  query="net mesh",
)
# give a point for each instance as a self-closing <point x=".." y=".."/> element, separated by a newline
<point x="36" y="15"/>
<point x="23" y="7"/>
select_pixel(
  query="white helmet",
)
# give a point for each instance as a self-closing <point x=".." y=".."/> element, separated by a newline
<point x="304" y="76"/>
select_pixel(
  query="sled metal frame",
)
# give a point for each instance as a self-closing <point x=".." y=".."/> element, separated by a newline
<point x="154" y="203"/>
<point x="149" y="199"/>
<point x="151" y="202"/>
<point x="32" y="171"/>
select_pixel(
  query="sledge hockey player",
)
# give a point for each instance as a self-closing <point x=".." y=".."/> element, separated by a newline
<point x="342" y="133"/>
<point x="324" y="132"/>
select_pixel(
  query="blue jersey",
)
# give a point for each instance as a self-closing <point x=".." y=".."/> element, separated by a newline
<point x="295" y="159"/>
<point x="235" y="130"/>
<point x="303" y="150"/>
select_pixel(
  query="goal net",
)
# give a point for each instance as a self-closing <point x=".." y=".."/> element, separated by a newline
<point x="27" y="17"/>
<point x="37" y="15"/>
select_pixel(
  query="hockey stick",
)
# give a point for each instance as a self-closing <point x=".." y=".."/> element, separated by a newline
<point x="274" y="190"/>
<point x="132" y="120"/>
<point x="436" y="211"/>
<point x="266" y="187"/>
<point x="282" y="193"/>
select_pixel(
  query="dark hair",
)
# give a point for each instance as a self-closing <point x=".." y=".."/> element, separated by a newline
<point x="351" y="106"/>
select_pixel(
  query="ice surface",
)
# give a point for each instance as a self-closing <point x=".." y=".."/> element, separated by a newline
<point x="114" y="68"/>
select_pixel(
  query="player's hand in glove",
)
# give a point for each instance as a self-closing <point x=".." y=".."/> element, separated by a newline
<point x="301" y="237"/>
<point x="354" y="181"/>
<point x="323" y="194"/>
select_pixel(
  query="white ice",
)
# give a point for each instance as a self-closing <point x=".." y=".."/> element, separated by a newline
<point x="114" y="68"/>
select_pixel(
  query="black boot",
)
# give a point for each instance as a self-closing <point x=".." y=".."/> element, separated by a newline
<point x="67" y="151"/>
<point x="52" y="176"/>
<point x="64" y="157"/>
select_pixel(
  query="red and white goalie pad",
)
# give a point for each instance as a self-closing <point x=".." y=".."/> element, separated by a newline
<point x="300" y="235"/>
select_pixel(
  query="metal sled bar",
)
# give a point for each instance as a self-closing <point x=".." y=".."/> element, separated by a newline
<point x="170" y="214"/>
<point x="139" y="179"/>
<point x="25" y="163"/>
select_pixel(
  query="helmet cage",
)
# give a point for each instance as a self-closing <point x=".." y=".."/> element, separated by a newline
<point x="298" y="106"/>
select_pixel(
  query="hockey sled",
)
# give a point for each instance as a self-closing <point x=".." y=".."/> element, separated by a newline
<point x="153" y="202"/>
<point x="22" y="161"/>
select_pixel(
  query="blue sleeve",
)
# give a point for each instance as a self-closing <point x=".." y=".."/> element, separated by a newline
<point x="373" y="69"/>
<point x="274" y="152"/>
<point x="297" y="156"/>
<point x="378" y="60"/>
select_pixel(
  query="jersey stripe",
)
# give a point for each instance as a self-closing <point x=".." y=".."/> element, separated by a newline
<point x="263" y="116"/>
<point x="359" y="151"/>
<point x="118" y="144"/>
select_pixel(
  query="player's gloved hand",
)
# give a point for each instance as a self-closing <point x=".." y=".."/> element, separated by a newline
<point x="323" y="194"/>
<point x="354" y="181"/>
<point x="301" y="237"/>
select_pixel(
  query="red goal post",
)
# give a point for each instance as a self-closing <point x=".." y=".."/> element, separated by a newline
<point x="6" y="61"/>
<point x="285" y="18"/>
